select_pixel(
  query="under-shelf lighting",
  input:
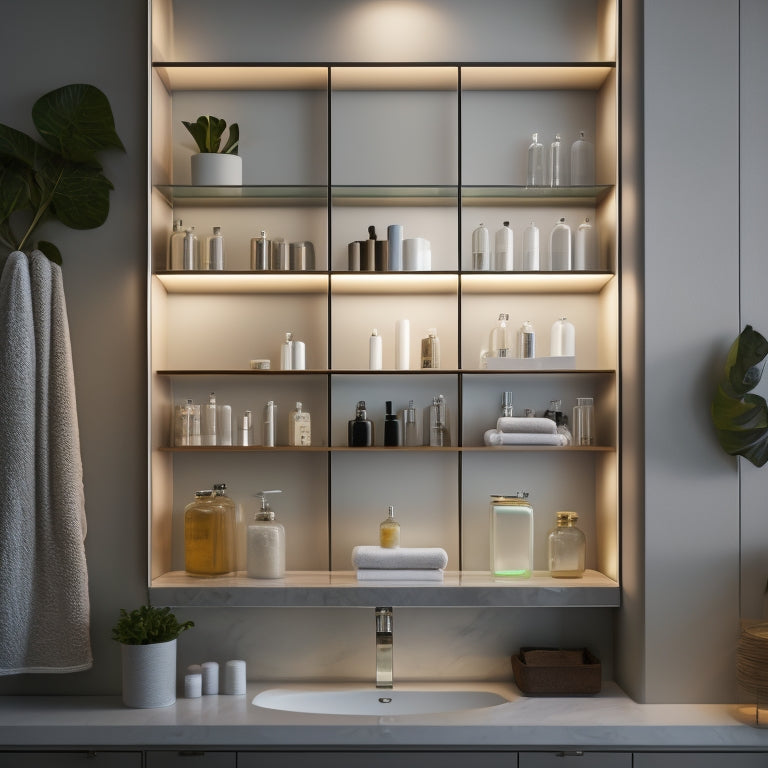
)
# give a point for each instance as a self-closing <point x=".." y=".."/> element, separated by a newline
<point x="243" y="282"/>
<point x="394" y="283"/>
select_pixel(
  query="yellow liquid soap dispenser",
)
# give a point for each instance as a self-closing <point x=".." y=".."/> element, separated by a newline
<point x="209" y="533"/>
<point x="389" y="531"/>
<point x="265" y="555"/>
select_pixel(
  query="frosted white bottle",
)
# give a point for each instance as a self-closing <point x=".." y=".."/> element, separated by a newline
<point x="224" y="425"/>
<point x="560" y="247"/>
<point x="504" y="250"/>
<point x="530" y="260"/>
<point x="403" y="345"/>
<point x="265" y="547"/>
<point x="298" y="356"/>
<point x="585" y="247"/>
<point x="286" y="353"/>
<point x="562" y="340"/>
<point x="582" y="162"/>
<point x="374" y="351"/>
<point x="481" y="249"/>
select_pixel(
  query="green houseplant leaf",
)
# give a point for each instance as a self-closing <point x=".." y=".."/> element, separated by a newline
<point x="207" y="131"/>
<point x="741" y="418"/>
<point x="61" y="179"/>
<point x="146" y="625"/>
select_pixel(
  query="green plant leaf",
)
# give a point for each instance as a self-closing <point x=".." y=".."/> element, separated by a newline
<point x="81" y="198"/>
<point x="199" y="131"/>
<point x="50" y="251"/>
<point x="231" y="148"/>
<point x="146" y="625"/>
<point x="76" y="121"/>
<point x="741" y="419"/>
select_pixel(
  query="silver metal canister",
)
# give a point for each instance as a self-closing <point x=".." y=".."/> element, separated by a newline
<point x="279" y="254"/>
<point x="260" y="252"/>
<point x="527" y="340"/>
<point x="270" y="424"/>
<point x="301" y="256"/>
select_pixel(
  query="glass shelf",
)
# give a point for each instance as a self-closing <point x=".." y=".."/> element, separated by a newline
<point x="208" y="282"/>
<point x="523" y="195"/>
<point x="395" y="195"/>
<point x="275" y="195"/>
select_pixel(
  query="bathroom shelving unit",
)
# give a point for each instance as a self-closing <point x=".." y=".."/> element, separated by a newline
<point x="313" y="171"/>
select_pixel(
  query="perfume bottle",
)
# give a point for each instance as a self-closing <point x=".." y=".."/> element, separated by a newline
<point x="555" y="163"/>
<point x="500" y="342"/>
<point x="286" y="353"/>
<point x="393" y="430"/>
<point x="437" y="423"/>
<point x="567" y="547"/>
<point x="299" y="427"/>
<point x="360" y="429"/>
<point x="187" y="424"/>
<point x="265" y="548"/>
<point x="209" y="533"/>
<point x="389" y="531"/>
<point x="506" y="404"/>
<point x="535" y="162"/>
<point x="176" y="246"/>
<point x="511" y="535"/>
<point x="430" y="350"/>
<point x="411" y="435"/>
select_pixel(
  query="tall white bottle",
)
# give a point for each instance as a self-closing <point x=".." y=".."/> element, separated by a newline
<point x="504" y="250"/>
<point x="374" y="351"/>
<point x="402" y="345"/>
<point x="585" y="247"/>
<point x="208" y="421"/>
<point x="481" y="249"/>
<point x="560" y="247"/>
<point x="530" y="260"/>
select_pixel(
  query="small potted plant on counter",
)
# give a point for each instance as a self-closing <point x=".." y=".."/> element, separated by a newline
<point x="147" y="637"/>
<point x="215" y="165"/>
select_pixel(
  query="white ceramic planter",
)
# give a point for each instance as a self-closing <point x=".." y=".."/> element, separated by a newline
<point x="149" y="675"/>
<point x="217" y="170"/>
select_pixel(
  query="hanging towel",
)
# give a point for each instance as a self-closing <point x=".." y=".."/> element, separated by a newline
<point x="399" y="557"/>
<point x="44" y="606"/>
<point x="528" y="424"/>
<point x="494" y="437"/>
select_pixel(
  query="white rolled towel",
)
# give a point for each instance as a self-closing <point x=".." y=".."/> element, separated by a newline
<point x="399" y="557"/>
<point x="531" y="425"/>
<point x="494" y="437"/>
<point x="399" y="574"/>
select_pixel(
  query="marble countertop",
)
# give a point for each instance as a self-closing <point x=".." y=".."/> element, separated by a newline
<point x="610" y="719"/>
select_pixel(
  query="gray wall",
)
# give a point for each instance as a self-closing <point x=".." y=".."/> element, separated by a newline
<point x="679" y="626"/>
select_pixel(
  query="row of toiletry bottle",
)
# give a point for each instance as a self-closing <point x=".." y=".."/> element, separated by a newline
<point x="185" y="252"/>
<point x="430" y="348"/>
<point x="209" y="537"/>
<point x="511" y="540"/>
<point x="402" y="429"/>
<point x="567" y="251"/>
<point x="548" y="169"/>
<point x="299" y="427"/>
<point x="504" y="342"/>
<point x="395" y="254"/>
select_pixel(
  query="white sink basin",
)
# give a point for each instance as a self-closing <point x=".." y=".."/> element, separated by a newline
<point x="375" y="701"/>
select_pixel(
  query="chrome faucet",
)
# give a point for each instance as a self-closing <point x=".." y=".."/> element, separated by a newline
<point x="383" y="647"/>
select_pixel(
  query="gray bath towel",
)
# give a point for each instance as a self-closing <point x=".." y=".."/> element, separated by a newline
<point x="44" y="606"/>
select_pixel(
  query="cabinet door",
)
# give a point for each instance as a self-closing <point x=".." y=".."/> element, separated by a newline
<point x="189" y="758"/>
<point x="700" y="760"/>
<point x="382" y="759"/>
<point x="70" y="759"/>
<point x="575" y="759"/>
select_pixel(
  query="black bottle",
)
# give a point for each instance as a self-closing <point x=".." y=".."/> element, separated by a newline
<point x="393" y="429"/>
<point x="360" y="429"/>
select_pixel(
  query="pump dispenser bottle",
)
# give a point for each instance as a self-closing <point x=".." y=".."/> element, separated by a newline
<point x="360" y="429"/>
<point x="265" y="555"/>
<point x="389" y="531"/>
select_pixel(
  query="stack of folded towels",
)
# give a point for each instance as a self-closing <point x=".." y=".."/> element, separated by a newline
<point x="399" y="563"/>
<point x="524" y="430"/>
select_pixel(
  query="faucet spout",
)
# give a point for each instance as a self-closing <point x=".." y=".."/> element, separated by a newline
<point x="384" y="623"/>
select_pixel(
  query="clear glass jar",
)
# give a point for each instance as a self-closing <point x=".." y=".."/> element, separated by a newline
<point x="567" y="547"/>
<point x="511" y="536"/>
<point x="209" y="533"/>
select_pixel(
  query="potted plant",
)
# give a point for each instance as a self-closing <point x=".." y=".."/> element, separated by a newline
<point x="147" y="637"/>
<point x="741" y="418"/>
<point x="215" y="165"/>
<point x="61" y="178"/>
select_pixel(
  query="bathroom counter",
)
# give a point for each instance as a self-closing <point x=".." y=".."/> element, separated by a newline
<point x="608" y="720"/>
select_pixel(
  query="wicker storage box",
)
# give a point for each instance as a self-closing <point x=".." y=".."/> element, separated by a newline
<point x="556" y="671"/>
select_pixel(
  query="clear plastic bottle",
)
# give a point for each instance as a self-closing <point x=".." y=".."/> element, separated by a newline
<point x="511" y="535"/>
<point x="582" y="162"/>
<point x="500" y="341"/>
<point x="567" y="547"/>
<point x="555" y="163"/>
<point x="536" y="162"/>
<point x="530" y="261"/>
<point x="265" y="545"/>
<point x="389" y="531"/>
<point x="187" y="424"/>
<point x="437" y="423"/>
<point x="410" y="425"/>
<point x="209" y="533"/>
<point x="584" y="421"/>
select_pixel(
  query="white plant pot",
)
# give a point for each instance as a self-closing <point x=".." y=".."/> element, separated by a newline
<point x="149" y="675"/>
<point x="217" y="170"/>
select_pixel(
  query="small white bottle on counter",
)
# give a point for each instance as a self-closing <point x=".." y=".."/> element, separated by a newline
<point x="265" y="556"/>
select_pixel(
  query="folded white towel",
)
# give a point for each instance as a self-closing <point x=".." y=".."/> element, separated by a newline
<point x="530" y="425"/>
<point x="399" y="557"/>
<point x="400" y="574"/>
<point x="494" y="437"/>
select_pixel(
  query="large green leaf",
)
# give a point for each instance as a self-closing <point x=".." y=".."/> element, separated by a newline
<point x="76" y="121"/>
<point x="81" y="198"/>
<point x="741" y="419"/>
